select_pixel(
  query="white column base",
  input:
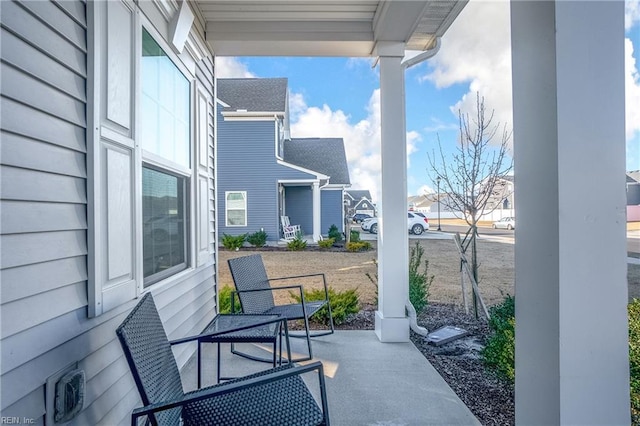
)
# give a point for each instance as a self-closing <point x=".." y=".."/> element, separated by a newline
<point x="392" y="330"/>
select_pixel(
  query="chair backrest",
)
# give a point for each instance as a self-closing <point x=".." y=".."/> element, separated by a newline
<point x="150" y="359"/>
<point x="249" y="274"/>
<point x="285" y="221"/>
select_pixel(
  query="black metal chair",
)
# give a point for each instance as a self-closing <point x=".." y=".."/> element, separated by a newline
<point x="277" y="396"/>
<point x="256" y="297"/>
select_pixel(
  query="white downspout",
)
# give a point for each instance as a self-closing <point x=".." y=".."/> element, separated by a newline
<point x="427" y="54"/>
<point x="411" y="311"/>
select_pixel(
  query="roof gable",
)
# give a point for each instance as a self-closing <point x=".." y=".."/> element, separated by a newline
<point x="253" y="94"/>
<point x="324" y="155"/>
<point x="358" y="194"/>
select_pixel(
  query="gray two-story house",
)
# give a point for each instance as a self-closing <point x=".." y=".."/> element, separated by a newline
<point x="264" y="174"/>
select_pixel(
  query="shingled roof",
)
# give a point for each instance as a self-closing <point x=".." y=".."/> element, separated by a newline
<point x="253" y="94"/>
<point x="359" y="194"/>
<point x="324" y="155"/>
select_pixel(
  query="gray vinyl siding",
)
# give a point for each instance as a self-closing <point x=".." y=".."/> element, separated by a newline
<point x="299" y="206"/>
<point x="43" y="198"/>
<point x="331" y="210"/>
<point x="44" y="225"/>
<point x="247" y="162"/>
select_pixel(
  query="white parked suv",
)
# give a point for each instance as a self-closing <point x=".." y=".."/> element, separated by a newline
<point x="417" y="223"/>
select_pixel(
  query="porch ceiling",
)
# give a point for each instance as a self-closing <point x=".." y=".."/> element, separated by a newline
<point x="323" y="27"/>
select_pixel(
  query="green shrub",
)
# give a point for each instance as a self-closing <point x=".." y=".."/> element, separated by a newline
<point x="224" y="300"/>
<point x="355" y="236"/>
<point x="297" y="244"/>
<point x="419" y="282"/>
<point x="342" y="304"/>
<point x="335" y="233"/>
<point x="258" y="239"/>
<point x="354" y="246"/>
<point x="499" y="352"/>
<point x="634" y="359"/>
<point x="233" y="242"/>
<point x="326" y="244"/>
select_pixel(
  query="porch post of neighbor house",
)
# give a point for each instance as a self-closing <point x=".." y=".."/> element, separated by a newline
<point x="391" y="323"/>
<point x="572" y="363"/>
<point x="316" y="211"/>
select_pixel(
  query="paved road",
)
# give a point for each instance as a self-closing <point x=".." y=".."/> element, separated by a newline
<point x="498" y="235"/>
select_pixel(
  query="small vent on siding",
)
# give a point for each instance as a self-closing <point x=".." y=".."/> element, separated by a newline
<point x="69" y="396"/>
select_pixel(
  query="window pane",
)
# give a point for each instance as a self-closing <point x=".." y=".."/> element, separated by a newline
<point x="235" y="217"/>
<point x="236" y="207"/>
<point x="164" y="243"/>
<point x="165" y="104"/>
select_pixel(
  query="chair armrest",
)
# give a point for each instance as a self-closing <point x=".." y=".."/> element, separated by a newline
<point x="297" y="276"/>
<point x="236" y="385"/>
<point x="207" y="335"/>
<point x="324" y="281"/>
<point x="285" y="287"/>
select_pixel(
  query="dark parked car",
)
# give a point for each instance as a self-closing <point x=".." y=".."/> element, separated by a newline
<point x="359" y="217"/>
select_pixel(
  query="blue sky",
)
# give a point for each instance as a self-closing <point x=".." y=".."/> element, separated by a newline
<point x="339" y="97"/>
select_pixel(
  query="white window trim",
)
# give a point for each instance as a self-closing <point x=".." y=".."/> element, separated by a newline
<point x="153" y="160"/>
<point x="226" y="209"/>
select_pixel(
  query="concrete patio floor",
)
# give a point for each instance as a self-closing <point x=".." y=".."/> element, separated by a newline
<point x="368" y="382"/>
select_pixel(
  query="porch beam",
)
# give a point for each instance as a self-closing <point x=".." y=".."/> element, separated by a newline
<point x="391" y="322"/>
<point x="572" y="362"/>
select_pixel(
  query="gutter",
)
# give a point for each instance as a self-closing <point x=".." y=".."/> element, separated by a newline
<point x="427" y="54"/>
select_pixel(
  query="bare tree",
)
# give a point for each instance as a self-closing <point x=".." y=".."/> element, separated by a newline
<point x="469" y="178"/>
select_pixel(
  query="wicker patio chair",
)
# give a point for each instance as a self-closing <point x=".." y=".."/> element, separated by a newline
<point x="256" y="297"/>
<point x="277" y="396"/>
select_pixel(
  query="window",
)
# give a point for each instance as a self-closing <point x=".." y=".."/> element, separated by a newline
<point x="236" y="208"/>
<point x="164" y="105"/>
<point x="164" y="226"/>
<point x="166" y="142"/>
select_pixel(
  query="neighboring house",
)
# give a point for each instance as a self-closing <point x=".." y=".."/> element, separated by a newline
<point x="499" y="204"/>
<point x="633" y="188"/>
<point x="264" y="174"/>
<point x="419" y="203"/>
<point x="502" y="197"/>
<point x="633" y="196"/>
<point x="359" y="201"/>
<point x="106" y="193"/>
<point x="445" y="201"/>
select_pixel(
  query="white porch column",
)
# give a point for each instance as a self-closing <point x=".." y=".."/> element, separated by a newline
<point x="316" y="211"/>
<point x="571" y="324"/>
<point x="391" y="323"/>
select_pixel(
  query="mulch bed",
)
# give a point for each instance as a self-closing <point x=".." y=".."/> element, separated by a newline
<point x="489" y="398"/>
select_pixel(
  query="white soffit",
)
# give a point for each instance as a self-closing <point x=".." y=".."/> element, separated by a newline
<point x="323" y="28"/>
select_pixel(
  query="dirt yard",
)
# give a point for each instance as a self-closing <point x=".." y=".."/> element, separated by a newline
<point x="348" y="270"/>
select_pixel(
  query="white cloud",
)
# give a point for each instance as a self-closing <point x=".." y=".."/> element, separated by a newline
<point x="230" y="67"/>
<point x="425" y="190"/>
<point x="477" y="50"/>
<point x="361" y="140"/>
<point x="413" y="138"/>
<point x="632" y="91"/>
<point x="631" y="13"/>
